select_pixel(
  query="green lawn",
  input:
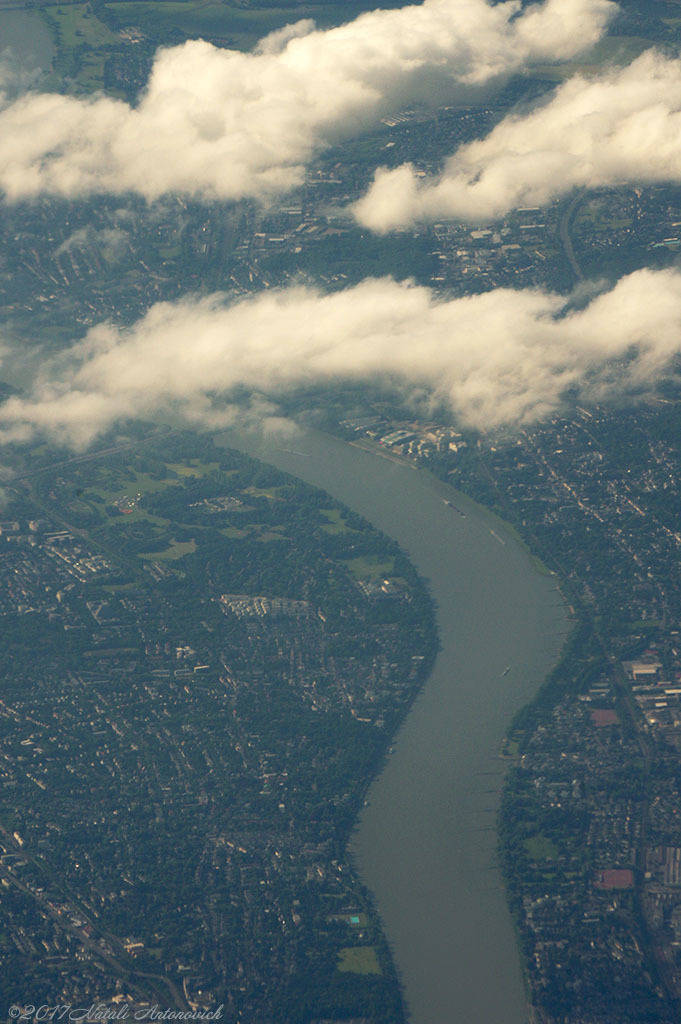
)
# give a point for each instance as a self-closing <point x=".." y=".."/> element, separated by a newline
<point x="177" y="549"/>
<point x="370" y="567"/>
<point x="233" y="532"/>
<point x="263" y="492"/>
<point x="115" y="483"/>
<point x="336" y="523"/>
<point x="196" y="469"/>
<point x="77" y="27"/>
<point x="540" y="847"/>
<point x="359" y="960"/>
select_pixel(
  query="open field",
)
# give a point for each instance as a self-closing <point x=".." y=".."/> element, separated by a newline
<point x="194" y="468"/>
<point x="124" y="488"/>
<point x="359" y="960"/>
<point x="263" y="492"/>
<point x="336" y="523"/>
<point x="83" y="45"/>
<point x="541" y="848"/>
<point x="77" y="26"/>
<point x="175" y="550"/>
<point x="370" y="567"/>
<point x="233" y="532"/>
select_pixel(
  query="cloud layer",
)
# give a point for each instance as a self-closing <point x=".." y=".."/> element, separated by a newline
<point x="620" y="127"/>
<point x="221" y="123"/>
<point x="504" y="357"/>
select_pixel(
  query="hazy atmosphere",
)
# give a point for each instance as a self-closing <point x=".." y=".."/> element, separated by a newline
<point x="340" y="479"/>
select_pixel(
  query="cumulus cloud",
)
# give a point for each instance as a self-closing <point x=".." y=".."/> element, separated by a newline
<point x="227" y="124"/>
<point x="623" y="126"/>
<point x="504" y="357"/>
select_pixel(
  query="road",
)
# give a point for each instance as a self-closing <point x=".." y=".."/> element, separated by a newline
<point x="564" y="232"/>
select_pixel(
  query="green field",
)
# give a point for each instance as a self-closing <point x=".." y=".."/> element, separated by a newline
<point x="510" y="748"/>
<point x="336" y="523"/>
<point x="359" y="960"/>
<point x="598" y="213"/>
<point x="233" y="532"/>
<point x="175" y="550"/>
<point x="195" y="469"/>
<point x="113" y="484"/>
<point x="255" y="531"/>
<point x="540" y="847"/>
<point x="370" y="567"/>
<point x="77" y="26"/>
<point x="83" y="46"/>
<point x="263" y="492"/>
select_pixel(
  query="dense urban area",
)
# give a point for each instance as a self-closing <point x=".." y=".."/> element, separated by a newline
<point x="204" y="661"/>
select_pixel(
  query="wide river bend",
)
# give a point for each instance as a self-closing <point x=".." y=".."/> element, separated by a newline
<point x="426" y="842"/>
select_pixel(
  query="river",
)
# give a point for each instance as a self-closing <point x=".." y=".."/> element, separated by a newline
<point x="26" y="37"/>
<point x="426" y="843"/>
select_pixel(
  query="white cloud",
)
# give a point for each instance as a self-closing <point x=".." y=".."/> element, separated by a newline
<point x="504" y="357"/>
<point x="623" y="126"/>
<point x="221" y="123"/>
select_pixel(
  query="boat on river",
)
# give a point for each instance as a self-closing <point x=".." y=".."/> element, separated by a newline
<point x="450" y="504"/>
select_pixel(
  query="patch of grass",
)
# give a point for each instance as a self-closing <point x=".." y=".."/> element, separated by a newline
<point x="336" y="523"/>
<point x="370" y="567"/>
<point x="78" y="506"/>
<point x="263" y="492"/>
<point x="599" y="216"/>
<point x="77" y="26"/>
<point x="138" y="515"/>
<point x="234" y="533"/>
<point x="177" y="549"/>
<point x="196" y="469"/>
<point x="91" y="71"/>
<point x="540" y="847"/>
<point x="359" y="960"/>
<point x="116" y="484"/>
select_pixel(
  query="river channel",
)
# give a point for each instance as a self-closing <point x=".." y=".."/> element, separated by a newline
<point x="25" y="40"/>
<point x="426" y="842"/>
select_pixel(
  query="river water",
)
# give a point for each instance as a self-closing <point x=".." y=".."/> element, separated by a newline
<point x="25" y="35"/>
<point x="426" y="843"/>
